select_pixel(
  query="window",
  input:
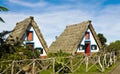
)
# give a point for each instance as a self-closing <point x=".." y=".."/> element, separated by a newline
<point x="81" y="47"/>
<point x="94" y="47"/>
<point x="29" y="35"/>
<point x="40" y="50"/>
<point x="87" y="35"/>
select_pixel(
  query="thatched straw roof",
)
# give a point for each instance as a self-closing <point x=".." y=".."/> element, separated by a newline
<point x="68" y="41"/>
<point x="18" y="33"/>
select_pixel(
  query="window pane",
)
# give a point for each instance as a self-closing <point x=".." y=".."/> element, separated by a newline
<point x="94" y="47"/>
<point x="40" y="50"/>
<point x="81" y="47"/>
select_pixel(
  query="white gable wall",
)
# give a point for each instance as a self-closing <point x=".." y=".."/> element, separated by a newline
<point x="36" y="41"/>
<point x="92" y="41"/>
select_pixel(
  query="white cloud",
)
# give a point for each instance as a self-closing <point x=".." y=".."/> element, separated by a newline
<point x="108" y="22"/>
<point x="53" y="23"/>
<point x="41" y="3"/>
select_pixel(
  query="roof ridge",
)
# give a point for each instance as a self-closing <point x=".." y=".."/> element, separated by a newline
<point x="30" y="18"/>
<point x="88" y="21"/>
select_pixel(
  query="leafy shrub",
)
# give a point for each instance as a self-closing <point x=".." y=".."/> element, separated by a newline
<point x="60" y="61"/>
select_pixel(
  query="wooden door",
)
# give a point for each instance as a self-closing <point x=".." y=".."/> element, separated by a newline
<point x="87" y="48"/>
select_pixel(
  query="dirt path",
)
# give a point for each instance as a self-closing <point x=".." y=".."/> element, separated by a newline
<point x="116" y="70"/>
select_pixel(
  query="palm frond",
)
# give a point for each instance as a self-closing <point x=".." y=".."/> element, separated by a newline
<point x="1" y="20"/>
<point x="3" y="8"/>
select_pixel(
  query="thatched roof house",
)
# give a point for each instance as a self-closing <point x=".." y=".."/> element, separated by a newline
<point x="26" y="28"/>
<point x="74" y="36"/>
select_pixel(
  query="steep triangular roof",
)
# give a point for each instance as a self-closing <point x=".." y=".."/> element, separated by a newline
<point x="20" y="29"/>
<point x="68" y="41"/>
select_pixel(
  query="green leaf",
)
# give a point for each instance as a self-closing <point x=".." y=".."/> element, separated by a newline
<point x="1" y="20"/>
<point x="3" y="8"/>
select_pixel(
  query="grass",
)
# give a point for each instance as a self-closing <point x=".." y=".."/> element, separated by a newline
<point x="81" y="70"/>
<point x="45" y="72"/>
<point x="94" y="70"/>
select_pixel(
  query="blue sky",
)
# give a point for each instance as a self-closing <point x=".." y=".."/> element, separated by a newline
<point x="52" y="16"/>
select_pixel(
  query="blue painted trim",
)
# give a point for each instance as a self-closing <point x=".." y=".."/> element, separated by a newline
<point x="31" y="43"/>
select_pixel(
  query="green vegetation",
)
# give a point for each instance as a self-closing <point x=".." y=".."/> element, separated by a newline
<point x="94" y="70"/>
<point x="11" y="52"/>
<point x="102" y="38"/>
<point x="45" y="72"/>
<point x="82" y="71"/>
<point x="18" y="52"/>
<point x="114" y="46"/>
<point x="60" y="61"/>
<point x="8" y="53"/>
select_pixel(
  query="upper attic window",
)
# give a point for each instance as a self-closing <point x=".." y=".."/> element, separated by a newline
<point x="29" y="35"/>
<point x="87" y="35"/>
